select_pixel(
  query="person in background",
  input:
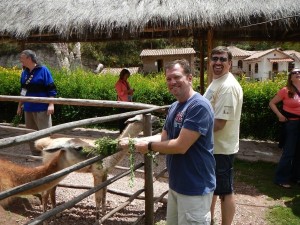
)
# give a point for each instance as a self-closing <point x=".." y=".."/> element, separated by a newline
<point x="36" y="81"/>
<point x="226" y="97"/>
<point x="289" y="163"/>
<point x="187" y="141"/>
<point x="124" y="93"/>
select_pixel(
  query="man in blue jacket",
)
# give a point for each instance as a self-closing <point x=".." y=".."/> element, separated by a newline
<point x="36" y="81"/>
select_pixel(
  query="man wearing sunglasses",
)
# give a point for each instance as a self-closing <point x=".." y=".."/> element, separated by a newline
<point x="226" y="97"/>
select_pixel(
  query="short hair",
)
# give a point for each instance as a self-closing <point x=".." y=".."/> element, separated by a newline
<point x="124" y="72"/>
<point x="221" y="50"/>
<point x="183" y="63"/>
<point x="31" y="54"/>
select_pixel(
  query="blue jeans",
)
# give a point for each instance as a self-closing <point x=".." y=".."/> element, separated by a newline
<point x="288" y="167"/>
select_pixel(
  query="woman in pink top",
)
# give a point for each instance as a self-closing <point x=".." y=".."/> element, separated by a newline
<point x="289" y="165"/>
<point x="124" y="93"/>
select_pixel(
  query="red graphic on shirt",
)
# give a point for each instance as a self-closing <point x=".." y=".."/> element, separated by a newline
<point x="179" y="117"/>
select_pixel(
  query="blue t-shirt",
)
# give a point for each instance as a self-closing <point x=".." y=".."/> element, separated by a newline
<point x="192" y="173"/>
<point x="41" y="84"/>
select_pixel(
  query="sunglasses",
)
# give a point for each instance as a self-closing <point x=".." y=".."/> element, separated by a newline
<point x="295" y="72"/>
<point x="215" y="59"/>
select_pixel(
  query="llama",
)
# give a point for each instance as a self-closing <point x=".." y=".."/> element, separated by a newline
<point x="134" y="127"/>
<point x="58" y="158"/>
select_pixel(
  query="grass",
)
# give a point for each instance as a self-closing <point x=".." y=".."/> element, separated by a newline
<point x="260" y="175"/>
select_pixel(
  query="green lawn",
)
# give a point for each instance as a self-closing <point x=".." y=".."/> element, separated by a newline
<point x="260" y="175"/>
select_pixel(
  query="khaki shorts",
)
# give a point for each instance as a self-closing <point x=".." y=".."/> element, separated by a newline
<point x="37" y="121"/>
<point x="188" y="210"/>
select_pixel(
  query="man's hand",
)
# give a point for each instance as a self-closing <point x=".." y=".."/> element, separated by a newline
<point x="142" y="146"/>
<point x="50" y="109"/>
<point x="19" y="110"/>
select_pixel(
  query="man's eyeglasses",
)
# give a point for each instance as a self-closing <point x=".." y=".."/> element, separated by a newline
<point x="295" y="72"/>
<point x="215" y="59"/>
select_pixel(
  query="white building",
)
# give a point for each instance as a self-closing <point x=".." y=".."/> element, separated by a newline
<point x="262" y="65"/>
<point x="238" y="56"/>
<point x="154" y="60"/>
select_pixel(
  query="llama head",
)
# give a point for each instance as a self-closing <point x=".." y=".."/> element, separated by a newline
<point x="70" y="150"/>
<point x="135" y="125"/>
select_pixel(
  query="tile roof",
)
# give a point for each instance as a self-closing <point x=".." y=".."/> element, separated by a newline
<point x="293" y="53"/>
<point x="260" y="54"/>
<point x="281" y="60"/>
<point x="237" y="52"/>
<point x="161" y="52"/>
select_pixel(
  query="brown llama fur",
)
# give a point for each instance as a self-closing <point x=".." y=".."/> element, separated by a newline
<point x="13" y="175"/>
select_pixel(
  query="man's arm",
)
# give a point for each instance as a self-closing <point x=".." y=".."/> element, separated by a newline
<point x="219" y="124"/>
<point x="178" y="145"/>
<point x="19" y="109"/>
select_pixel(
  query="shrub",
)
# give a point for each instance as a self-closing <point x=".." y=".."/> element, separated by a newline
<point x="258" y="121"/>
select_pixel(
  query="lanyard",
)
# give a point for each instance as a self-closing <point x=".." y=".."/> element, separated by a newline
<point x="28" y="80"/>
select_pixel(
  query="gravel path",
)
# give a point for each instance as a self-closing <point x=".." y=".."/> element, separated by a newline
<point x="251" y="205"/>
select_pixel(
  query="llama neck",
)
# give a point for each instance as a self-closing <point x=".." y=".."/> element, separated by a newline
<point x="30" y="174"/>
<point x="131" y="131"/>
<point x="14" y="175"/>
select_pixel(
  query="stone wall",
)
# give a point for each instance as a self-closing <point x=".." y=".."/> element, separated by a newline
<point x="54" y="55"/>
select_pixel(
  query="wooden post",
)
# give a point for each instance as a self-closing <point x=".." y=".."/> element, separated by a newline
<point x="201" y="57"/>
<point x="209" y="48"/>
<point x="21" y="45"/>
<point x="148" y="168"/>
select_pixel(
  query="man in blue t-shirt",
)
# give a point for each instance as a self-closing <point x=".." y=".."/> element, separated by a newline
<point x="36" y="81"/>
<point x="187" y="140"/>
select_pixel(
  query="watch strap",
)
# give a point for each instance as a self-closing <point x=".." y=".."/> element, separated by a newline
<point x="150" y="146"/>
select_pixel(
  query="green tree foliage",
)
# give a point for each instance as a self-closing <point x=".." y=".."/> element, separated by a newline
<point x="127" y="53"/>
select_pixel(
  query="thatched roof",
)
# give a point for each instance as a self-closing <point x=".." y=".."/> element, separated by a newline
<point x="80" y="20"/>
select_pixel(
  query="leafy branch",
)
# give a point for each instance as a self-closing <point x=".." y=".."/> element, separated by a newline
<point x="131" y="143"/>
<point x="107" y="146"/>
<point x="16" y="120"/>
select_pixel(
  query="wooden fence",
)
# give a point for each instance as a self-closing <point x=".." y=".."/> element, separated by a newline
<point x="148" y="169"/>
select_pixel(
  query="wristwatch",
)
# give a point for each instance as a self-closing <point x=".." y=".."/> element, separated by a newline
<point x="150" y="146"/>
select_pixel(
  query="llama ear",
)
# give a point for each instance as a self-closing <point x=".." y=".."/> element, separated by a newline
<point x="139" y="118"/>
<point x="134" y="119"/>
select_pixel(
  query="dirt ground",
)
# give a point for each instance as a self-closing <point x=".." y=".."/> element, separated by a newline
<point x="251" y="205"/>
